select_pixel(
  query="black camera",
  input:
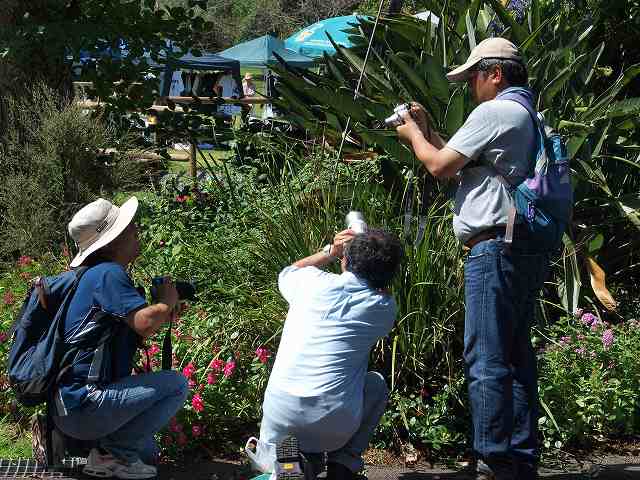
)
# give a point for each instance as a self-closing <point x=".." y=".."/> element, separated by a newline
<point x="186" y="290"/>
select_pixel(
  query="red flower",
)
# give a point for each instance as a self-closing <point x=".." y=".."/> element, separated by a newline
<point x="24" y="260"/>
<point x="263" y="354"/>
<point x="212" y="378"/>
<point x="182" y="198"/>
<point x="174" y="426"/>
<point x="9" y="298"/>
<point x="216" y="364"/>
<point x="229" y="368"/>
<point x="153" y="349"/>
<point x="196" y="430"/>
<point x="3" y="337"/>
<point x="197" y="403"/>
<point x="189" y="370"/>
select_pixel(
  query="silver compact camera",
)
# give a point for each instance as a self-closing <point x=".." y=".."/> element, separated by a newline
<point x="395" y="120"/>
<point x="355" y="221"/>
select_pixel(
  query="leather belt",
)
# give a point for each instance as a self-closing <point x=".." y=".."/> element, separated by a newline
<point x="488" y="234"/>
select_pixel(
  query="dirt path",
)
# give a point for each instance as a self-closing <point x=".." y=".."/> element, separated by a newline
<point x="609" y="467"/>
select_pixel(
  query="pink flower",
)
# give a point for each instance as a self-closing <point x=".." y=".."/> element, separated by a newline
<point x="24" y="260"/>
<point x="161" y="243"/>
<point x="580" y="351"/>
<point x="3" y="337"/>
<point x="229" y="368"/>
<point x="196" y="430"/>
<point x="565" y="340"/>
<point x="595" y="325"/>
<point x="153" y="349"/>
<point x="182" y="439"/>
<point x="191" y="383"/>
<point x="9" y="298"/>
<point x="189" y="370"/>
<point x="588" y="319"/>
<point x="607" y="338"/>
<point x="182" y="198"/>
<point x="212" y="378"/>
<point x="578" y="312"/>
<point x="216" y="364"/>
<point x="263" y="354"/>
<point x="197" y="403"/>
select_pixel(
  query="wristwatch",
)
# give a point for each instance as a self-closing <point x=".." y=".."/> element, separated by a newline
<point x="327" y="251"/>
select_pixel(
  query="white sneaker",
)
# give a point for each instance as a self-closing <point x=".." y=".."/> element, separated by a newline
<point x="107" y="466"/>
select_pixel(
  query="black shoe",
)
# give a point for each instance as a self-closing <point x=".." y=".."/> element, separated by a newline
<point x="525" y="470"/>
<point x="495" y="468"/>
<point x="337" y="471"/>
<point x="289" y="461"/>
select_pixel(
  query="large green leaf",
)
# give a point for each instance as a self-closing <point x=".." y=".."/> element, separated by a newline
<point x="436" y="78"/>
<point x="629" y="106"/>
<point x="607" y="97"/>
<point x="410" y="74"/>
<point x="557" y="83"/>
<point x="455" y="112"/>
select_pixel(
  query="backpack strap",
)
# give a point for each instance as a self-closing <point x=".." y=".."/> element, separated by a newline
<point x="539" y="138"/>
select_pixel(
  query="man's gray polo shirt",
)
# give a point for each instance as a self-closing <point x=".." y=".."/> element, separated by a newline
<point x="502" y="131"/>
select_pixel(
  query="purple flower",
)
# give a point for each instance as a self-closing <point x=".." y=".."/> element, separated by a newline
<point x="588" y="319"/>
<point x="578" y="313"/>
<point x="581" y="351"/>
<point x="607" y="338"/>
<point x="595" y="325"/>
<point x="565" y="340"/>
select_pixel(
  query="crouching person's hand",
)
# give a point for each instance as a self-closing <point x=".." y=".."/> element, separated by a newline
<point x="340" y="241"/>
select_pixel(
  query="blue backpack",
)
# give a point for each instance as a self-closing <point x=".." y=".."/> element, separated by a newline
<point x="39" y="356"/>
<point x="544" y="200"/>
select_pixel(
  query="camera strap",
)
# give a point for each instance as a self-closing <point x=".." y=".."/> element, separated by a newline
<point x="167" y="349"/>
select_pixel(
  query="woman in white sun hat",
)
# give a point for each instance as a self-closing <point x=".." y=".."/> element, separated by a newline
<point x="98" y="398"/>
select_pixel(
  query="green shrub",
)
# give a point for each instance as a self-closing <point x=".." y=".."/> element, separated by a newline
<point x="590" y="381"/>
<point x="53" y="161"/>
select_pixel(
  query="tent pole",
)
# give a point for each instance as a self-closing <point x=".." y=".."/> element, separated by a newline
<point x="193" y="162"/>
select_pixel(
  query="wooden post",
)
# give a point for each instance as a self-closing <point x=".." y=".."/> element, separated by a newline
<point x="193" y="162"/>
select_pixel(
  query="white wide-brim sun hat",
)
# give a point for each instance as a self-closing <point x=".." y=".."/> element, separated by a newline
<point x="98" y="224"/>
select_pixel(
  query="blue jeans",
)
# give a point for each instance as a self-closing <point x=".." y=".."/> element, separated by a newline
<point x="501" y="286"/>
<point x="125" y="415"/>
<point x="309" y="424"/>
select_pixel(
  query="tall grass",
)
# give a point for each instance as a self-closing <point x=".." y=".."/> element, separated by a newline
<point x="425" y="344"/>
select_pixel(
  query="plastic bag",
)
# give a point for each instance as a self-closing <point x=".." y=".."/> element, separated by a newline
<point x="263" y="458"/>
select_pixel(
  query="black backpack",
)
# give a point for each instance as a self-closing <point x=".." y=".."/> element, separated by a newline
<point x="39" y="356"/>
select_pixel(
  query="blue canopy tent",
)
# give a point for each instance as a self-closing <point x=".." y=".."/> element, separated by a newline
<point x="206" y="61"/>
<point x="259" y="52"/>
<point x="312" y="41"/>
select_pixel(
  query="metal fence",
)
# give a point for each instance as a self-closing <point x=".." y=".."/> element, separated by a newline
<point x="21" y="468"/>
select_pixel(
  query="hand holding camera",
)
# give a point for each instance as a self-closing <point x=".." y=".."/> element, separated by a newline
<point x="164" y="291"/>
<point x="411" y="120"/>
